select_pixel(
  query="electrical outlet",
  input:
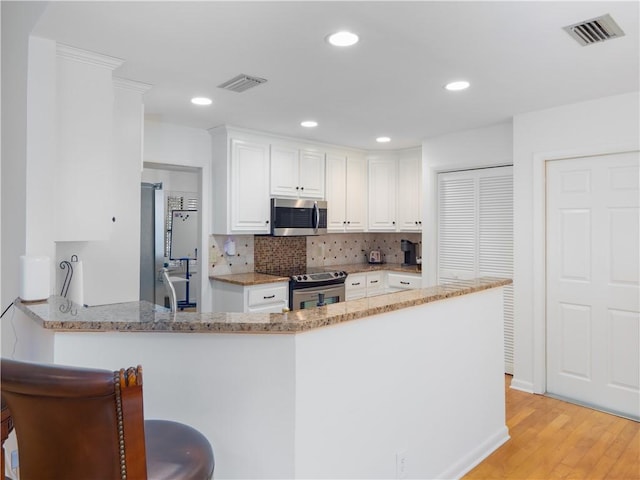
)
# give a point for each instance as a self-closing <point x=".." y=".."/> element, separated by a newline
<point x="401" y="464"/>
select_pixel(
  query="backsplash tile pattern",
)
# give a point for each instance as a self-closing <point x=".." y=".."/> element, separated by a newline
<point x="280" y="255"/>
<point x="346" y="248"/>
<point x="223" y="264"/>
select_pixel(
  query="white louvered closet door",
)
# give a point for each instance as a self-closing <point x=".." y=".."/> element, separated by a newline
<point x="475" y="233"/>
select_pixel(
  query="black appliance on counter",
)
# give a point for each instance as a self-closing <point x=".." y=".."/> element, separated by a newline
<point x="410" y="255"/>
<point x="314" y="289"/>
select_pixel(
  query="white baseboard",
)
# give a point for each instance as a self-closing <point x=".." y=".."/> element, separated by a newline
<point x="517" y="384"/>
<point x="477" y="455"/>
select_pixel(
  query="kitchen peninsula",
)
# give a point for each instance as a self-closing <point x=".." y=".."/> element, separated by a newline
<point x="408" y="384"/>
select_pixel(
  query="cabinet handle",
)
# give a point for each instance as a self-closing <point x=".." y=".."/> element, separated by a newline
<point x="270" y="296"/>
<point x="344" y="223"/>
<point x="301" y="188"/>
<point x="355" y="284"/>
<point x="373" y="281"/>
<point x="297" y="188"/>
<point x="267" y="221"/>
<point x="393" y="223"/>
<point x="348" y="223"/>
<point x="405" y="283"/>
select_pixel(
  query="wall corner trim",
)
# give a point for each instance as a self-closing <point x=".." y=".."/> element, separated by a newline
<point x="85" y="56"/>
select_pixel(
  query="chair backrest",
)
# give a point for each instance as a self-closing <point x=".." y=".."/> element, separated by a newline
<point x="76" y="423"/>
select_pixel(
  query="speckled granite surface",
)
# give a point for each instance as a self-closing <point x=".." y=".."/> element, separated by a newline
<point x="373" y="267"/>
<point x="248" y="279"/>
<point x="62" y="315"/>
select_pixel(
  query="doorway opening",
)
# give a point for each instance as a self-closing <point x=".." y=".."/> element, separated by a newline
<point x="169" y="192"/>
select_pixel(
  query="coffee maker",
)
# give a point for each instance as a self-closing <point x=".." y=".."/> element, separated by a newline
<point x="409" y="249"/>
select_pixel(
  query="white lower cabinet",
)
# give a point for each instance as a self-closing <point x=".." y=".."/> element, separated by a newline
<point x="355" y="286"/>
<point x="266" y="298"/>
<point x="396" y="282"/>
<point x="375" y="283"/>
<point x="361" y="285"/>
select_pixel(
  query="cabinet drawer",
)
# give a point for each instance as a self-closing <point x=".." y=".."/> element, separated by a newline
<point x="375" y="283"/>
<point x="266" y="295"/>
<point x="403" y="281"/>
<point x="355" y="286"/>
<point x="356" y="281"/>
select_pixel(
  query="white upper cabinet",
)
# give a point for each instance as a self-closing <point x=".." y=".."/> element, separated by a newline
<point x="296" y="173"/>
<point x="410" y="193"/>
<point x="85" y="187"/>
<point x="395" y="191"/>
<point x="346" y="188"/>
<point x="250" y="210"/>
<point x="336" y="172"/>
<point x="285" y="169"/>
<point x="356" y="193"/>
<point x="382" y="194"/>
<point x="311" y="174"/>
<point x="240" y="178"/>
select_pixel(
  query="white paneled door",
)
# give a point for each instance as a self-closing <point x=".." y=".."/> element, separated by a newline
<point x="593" y="289"/>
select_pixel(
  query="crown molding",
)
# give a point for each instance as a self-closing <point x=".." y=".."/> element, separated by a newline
<point x="126" y="84"/>
<point x="85" y="56"/>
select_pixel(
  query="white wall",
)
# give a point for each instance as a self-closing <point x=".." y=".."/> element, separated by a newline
<point x="600" y="126"/>
<point x="335" y="402"/>
<point x="176" y="146"/>
<point x="482" y="147"/>
<point x="17" y="20"/>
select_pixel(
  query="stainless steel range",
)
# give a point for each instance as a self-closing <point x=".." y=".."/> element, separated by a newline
<point x="312" y="289"/>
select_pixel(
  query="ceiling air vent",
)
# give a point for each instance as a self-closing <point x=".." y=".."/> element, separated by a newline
<point x="242" y="82"/>
<point x="595" y="30"/>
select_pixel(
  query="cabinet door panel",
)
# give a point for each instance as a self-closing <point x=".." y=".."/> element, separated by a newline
<point x="249" y="188"/>
<point x="311" y="174"/>
<point x="382" y="194"/>
<point x="284" y="171"/>
<point x="336" y="192"/>
<point x="356" y="196"/>
<point x="409" y="196"/>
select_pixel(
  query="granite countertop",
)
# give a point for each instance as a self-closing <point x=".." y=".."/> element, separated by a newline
<point x="374" y="267"/>
<point x="248" y="279"/>
<point x="253" y="278"/>
<point x="60" y="314"/>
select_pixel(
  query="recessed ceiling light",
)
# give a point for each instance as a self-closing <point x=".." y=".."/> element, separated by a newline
<point x="201" y="101"/>
<point x="309" y="123"/>
<point x="343" y="39"/>
<point x="458" y="85"/>
<point x="383" y="139"/>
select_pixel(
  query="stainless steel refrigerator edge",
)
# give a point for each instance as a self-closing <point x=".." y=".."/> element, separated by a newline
<point x="151" y="243"/>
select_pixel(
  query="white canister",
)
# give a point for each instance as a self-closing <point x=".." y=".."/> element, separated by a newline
<point x="35" y="280"/>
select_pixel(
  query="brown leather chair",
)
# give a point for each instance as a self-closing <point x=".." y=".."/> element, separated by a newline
<point x="80" y="423"/>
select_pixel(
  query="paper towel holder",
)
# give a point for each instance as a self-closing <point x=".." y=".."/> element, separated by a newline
<point x="67" y="279"/>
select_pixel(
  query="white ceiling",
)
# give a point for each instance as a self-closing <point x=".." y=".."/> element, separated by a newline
<point x="515" y="54"/>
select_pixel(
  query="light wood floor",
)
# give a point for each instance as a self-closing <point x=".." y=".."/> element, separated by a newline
<point x="551" y="439"/>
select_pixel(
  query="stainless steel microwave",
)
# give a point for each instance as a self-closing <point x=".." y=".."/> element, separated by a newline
<point x="295" y="217"/>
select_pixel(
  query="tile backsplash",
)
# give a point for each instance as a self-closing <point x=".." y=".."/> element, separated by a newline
<point x="220" y="263"/>
<point x="279" y="255"/>
<point x="345" y="248"/>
